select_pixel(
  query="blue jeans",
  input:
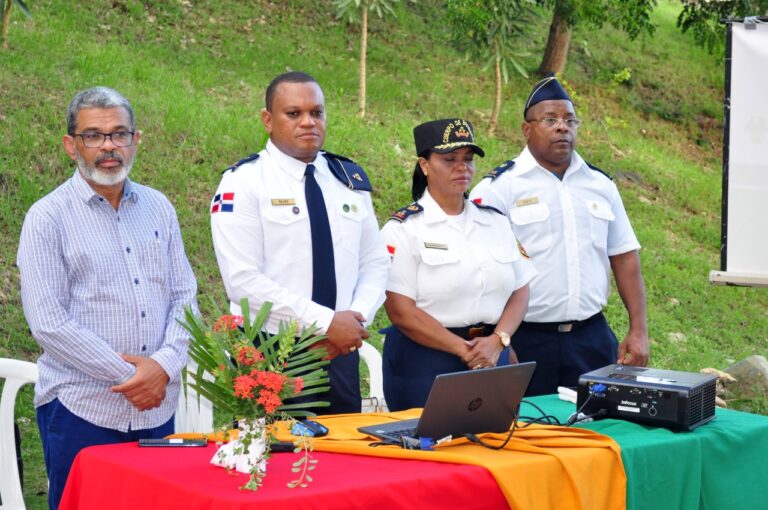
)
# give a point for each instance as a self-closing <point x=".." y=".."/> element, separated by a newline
<point x="63" y="435"/>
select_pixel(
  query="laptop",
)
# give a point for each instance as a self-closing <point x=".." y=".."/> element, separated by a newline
<point x="469" y="402"/>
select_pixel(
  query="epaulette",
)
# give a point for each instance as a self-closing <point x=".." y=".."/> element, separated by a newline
<point x="488" y="208"/>
<point x="507" y="165"/>
<point x="406" y="212"/>
<point x="348" y="172"/>
<point x="252" y="157"/>
<point x="593" y="167"/>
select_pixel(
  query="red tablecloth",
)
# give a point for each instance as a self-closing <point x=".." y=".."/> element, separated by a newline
<point x="124" y="476"/>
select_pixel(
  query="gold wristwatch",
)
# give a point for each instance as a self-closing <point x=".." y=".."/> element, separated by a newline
<point x="503" y="336"/>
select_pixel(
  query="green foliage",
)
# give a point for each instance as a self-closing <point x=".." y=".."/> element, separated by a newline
<point x="196" y="76"/>
<point x="622" y="77"/>
<point x="705" y="19"/>
<point x="487" y="30"/>
<point x="351" y="9"/>
<point x="632" y="17"/>
<point x="225" y="350"/>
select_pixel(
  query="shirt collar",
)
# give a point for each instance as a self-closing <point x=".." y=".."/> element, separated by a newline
<point x="433" y="213"/>
<point x="525" y="163"/>
<point x="292" y="166"/>
<point x="87" y="194"/>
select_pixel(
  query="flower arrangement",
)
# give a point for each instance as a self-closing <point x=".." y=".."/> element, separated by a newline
<point x="251" y="380"/>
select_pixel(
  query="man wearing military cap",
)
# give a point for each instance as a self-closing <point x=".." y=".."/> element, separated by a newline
<point x="295" y="226"/>
<point x="570" y="218"/>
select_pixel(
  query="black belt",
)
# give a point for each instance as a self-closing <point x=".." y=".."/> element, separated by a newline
<point x="560" y="327"/>
<point x="470" y="332"/>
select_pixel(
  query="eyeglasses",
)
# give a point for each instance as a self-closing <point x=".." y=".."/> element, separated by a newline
<point x="95" y="139"/>
<point x="550" y="122"/>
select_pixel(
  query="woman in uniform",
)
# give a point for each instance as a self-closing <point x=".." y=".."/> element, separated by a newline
<point x="458" y="287"/>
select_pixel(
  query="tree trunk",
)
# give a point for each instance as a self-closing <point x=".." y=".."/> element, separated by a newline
<point x="6" y="22"/>
<point x="363" y="49"/>
<point x="558" y="42"/>
<point x="497" y="101"/>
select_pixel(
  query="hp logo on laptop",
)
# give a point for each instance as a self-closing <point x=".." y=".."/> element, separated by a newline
<point x="475" y="404"/>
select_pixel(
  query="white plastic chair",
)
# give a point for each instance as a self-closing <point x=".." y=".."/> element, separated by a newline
<point x="193" y="414"/>
<point x="372" y="359"/>
<point x="16" y="373"/>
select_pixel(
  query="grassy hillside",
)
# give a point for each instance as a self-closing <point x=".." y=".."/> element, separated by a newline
<point x="196" y="71"/>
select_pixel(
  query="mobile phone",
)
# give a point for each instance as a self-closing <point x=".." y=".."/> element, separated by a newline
<point x="172" y="442"/>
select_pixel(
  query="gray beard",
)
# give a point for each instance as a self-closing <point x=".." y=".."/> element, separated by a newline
<point x="93" y="174"/>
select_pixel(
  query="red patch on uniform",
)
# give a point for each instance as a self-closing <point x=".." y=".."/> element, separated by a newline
<point x="391" y="249"/>
<point x="477" y="200"/>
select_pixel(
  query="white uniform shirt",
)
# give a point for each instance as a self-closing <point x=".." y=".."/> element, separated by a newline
<point x="569" y="228"/>
<point x="264" y="245"/>
<point x="461" y="270"/>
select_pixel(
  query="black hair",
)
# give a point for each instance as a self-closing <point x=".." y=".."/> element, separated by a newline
<point x="419" y="179"/>
<point x="289" y="77"/>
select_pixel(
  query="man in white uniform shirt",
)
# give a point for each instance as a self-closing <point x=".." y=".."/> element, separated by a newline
<point x="295" y="226"/>
<point x="570" y="219"/>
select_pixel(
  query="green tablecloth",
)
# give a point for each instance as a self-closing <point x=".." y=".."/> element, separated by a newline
<point x="720" y="465"/>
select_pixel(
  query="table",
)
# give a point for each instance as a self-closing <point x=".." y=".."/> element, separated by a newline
<point x="721" y="465"/>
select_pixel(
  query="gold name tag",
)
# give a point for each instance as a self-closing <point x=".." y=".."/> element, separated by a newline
<point x="435" y="246"/>
<point x="527" y="201"/>
<point x="283" y="201"/>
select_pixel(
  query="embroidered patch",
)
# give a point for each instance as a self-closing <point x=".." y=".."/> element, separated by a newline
<point x="223" y="202"/>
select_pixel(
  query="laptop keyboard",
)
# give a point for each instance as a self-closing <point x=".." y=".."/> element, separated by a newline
<point x="397" y="434"/>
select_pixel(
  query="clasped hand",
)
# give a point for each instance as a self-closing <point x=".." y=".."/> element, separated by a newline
<point x="345" y="334"/>
<point x="483" y="352"/>
<point x="146" y="388"/>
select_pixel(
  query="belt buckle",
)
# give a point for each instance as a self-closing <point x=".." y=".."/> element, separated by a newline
<point x="565" y="328"/>
<point x="475" y="332"/>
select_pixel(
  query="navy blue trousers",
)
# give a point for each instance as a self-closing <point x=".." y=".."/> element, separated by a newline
<point x="344" y="394"/>
<point x="562" y="357"/>
<point x="63" y="435"/>
<point x="409" y="369"/>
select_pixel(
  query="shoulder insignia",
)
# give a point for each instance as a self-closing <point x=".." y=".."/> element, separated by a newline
<point x="403" y="214"/>
<point x="593" y="167"/>
<point x="252" y="157"/>
<point x="487" y="207"/>
<point x="348" y="172"/>
<point x="507" y="165"/>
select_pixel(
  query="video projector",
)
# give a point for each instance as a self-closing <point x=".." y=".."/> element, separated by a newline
<point x="662" y="398"/>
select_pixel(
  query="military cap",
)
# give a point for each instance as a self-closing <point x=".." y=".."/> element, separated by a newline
<point x="547" y="89"/>
<point x="445" y="135"/>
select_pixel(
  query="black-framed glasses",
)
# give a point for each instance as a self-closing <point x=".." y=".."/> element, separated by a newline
<point x="94" y="139"/>
<point x="550" y="122"/>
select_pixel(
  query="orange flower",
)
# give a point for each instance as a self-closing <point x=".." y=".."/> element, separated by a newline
<point x="248" y="355"/>
<point x="244" y="385"/>
<point x="270" y="400"/>
<point x="228" y="323"/>
<point x="271" y="381"/>
<point x="298" y="384"/>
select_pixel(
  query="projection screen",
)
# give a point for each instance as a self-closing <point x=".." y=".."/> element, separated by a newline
<point x="744" y="238"/>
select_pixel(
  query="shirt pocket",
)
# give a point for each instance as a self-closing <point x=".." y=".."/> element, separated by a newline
<point x="283" y="225"/>
<point x="155" y="259"/>
<point x="532" y="227"/>
<point x="600" y="216"/>
<point x="350" y="211"/>
<point x="439" y="274"/>
<point x="499" y="274"/>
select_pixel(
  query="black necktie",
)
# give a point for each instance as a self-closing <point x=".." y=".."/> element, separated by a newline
<point x="323" y="268"/>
